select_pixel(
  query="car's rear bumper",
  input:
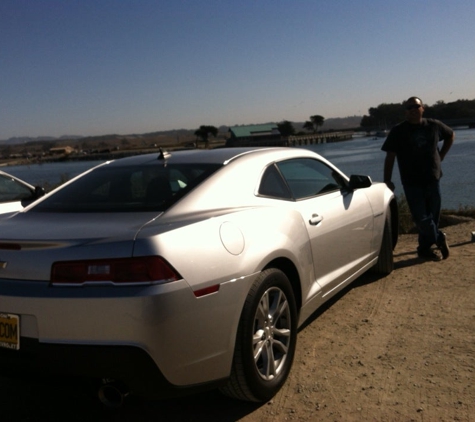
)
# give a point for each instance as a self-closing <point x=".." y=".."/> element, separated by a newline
<point x="129" y="365"/>
<point x="176" y="334"/>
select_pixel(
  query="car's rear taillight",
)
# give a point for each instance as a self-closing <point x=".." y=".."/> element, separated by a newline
<point x="123" y="271"/>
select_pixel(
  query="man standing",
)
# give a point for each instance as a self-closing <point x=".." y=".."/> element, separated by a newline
<point x="414" y="143"/>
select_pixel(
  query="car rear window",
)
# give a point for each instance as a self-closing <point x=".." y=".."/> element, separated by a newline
<point x="127" y="189"/>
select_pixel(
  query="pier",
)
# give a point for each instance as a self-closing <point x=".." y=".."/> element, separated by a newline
<point x="319" y="138"/>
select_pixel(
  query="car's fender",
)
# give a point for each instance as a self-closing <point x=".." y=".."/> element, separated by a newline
<point x="228" y="251"/>
<point x="383" y="201"/>
<point x="229" y="245"/>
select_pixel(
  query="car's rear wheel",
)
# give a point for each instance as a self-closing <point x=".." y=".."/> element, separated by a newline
<point x="266" y="339"/>
<point x="385" y="264"/>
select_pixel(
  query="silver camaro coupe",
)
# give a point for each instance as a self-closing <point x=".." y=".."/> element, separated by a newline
<point x="171" y="272"/>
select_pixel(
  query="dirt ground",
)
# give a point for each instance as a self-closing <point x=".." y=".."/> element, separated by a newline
<point x="399" y="348"/>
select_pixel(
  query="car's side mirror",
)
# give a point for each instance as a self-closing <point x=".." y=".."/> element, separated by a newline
<point x="39" y="192"/>
<point x="359" y="182"/>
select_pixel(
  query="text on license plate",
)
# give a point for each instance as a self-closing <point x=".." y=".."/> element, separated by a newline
<point x="10" y="331"/>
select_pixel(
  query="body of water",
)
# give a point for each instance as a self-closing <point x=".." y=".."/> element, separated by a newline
<point x="358" y="156"/>
<point x="50" y="174"/>
<point x="364" y="156"/>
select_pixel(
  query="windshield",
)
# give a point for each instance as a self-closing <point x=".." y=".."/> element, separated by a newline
<point x="127" y="189"/>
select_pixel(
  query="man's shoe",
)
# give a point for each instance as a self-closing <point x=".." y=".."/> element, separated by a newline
<point x="428" y="255"/>
<point x="444" y="247"/>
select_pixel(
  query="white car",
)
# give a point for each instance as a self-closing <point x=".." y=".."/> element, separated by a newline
<point x="16" y="193"/>
<point x="165" y="273"/>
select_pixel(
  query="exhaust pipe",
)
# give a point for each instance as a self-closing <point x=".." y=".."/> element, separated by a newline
<point x="112" y="393"/>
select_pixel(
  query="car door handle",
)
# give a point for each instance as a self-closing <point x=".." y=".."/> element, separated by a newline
<point x="316" y="219"/>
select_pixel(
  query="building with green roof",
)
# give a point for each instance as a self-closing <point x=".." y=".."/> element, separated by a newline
<point x="255" y="135"/>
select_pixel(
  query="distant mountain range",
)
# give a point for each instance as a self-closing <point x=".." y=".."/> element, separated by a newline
<point x="27" y="139"/>
<point x="339" y="123"/>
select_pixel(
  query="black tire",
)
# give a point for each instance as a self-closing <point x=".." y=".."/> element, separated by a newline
<point x="385" y="263"/>
<point x="266" y="339"/>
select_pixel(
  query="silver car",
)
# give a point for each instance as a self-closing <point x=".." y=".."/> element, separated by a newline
<point x="168" y="273"/>
<point x="15" y="193"/>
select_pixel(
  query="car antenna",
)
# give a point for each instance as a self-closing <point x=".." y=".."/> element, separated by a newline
<point x="163" y="155"/>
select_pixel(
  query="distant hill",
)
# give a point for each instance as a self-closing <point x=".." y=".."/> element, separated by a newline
<point x="342" y="123"/>
<point x="28" y="139"/>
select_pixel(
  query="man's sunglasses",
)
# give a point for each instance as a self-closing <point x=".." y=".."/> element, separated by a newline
<point x="413" y="106"/>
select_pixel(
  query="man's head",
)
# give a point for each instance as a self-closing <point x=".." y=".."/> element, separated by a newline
<point x="414" y="110"/>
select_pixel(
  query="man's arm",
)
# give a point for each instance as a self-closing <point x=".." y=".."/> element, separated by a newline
<point x="447" y="143"/>
<point x="388" y="169"/>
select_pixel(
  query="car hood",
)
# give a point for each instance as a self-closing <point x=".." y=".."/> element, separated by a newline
<point x="10" y="207"/>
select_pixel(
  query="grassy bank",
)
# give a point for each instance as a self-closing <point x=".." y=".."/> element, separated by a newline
<point x="448" y="216"/>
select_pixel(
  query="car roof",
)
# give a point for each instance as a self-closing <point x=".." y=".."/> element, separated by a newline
<point x="210" y="156"/>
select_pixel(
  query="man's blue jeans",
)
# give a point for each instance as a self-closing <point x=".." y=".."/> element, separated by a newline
<point x="424" y="203"/>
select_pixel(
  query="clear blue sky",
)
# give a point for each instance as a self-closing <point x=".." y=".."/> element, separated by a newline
<point x="95" y="67"/>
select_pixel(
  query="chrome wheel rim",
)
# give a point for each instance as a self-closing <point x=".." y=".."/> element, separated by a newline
<point x="272" y="332"/>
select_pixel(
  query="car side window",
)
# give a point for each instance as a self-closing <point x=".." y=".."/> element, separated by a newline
<point x="307" y="177"/>
<point x="273" y="185"/>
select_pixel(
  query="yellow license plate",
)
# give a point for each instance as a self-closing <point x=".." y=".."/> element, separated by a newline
<point x="10" y="331"/>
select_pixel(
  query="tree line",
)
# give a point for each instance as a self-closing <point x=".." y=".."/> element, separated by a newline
<point x="386" y="115"/>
